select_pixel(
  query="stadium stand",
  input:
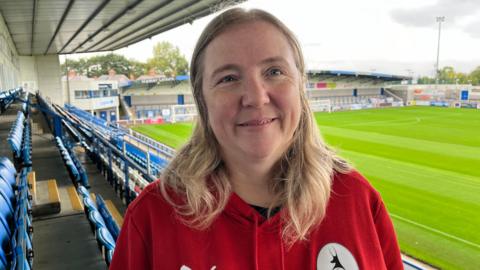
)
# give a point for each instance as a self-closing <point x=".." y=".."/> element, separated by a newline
<point x="24" y="201"/>
<point x="16" y="228"/>
<point x="7" y="97"/>
<point x="20" y="140"/>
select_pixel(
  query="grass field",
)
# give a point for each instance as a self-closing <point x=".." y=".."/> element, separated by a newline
<point x="425" y="162"/>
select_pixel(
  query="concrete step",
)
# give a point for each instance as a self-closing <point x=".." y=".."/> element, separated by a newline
<point x="47" y="198"/>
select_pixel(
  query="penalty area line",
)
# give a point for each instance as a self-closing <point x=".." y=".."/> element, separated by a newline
<point x="436" y="231"/>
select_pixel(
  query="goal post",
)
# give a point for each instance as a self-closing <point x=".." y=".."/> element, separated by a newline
<point x="321" y="105"/>
<point x="183" y="113"/>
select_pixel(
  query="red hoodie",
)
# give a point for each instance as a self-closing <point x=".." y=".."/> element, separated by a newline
<point x="356" y="233"/>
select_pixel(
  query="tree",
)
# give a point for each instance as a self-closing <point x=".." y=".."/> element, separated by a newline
<point x="474" y="76"/>
<point x="137" y="68"/>
<point x="78" y="65"/>
<point x="100" y="65"/>
<point x="462" y="78"/>
<point x="447" y="75"/>
<point x="425" y="80"/>
<point x="168" y="60"/>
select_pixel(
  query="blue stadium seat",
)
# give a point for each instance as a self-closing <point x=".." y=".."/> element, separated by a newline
<point x="8" y="175"/>
<point x="4" y="240"/>
<point x="4" y="224"/>
<point x="107" y="243"/>
<point x="96" y="219"/>
<point x="5" y="162"/>
<point x="7" y="190"/>
<point x="89" y="204"/>
<point x="6" y="207"/>
<point x="83" y="191"/>
<point x="107" y="217"/>
<point x="106" y="238"/>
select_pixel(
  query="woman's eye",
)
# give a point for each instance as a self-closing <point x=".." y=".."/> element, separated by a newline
<point x="274" y="72"/>
<point x="226" y="79"/>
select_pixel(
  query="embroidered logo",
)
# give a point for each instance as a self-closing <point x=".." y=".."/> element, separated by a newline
<point x="334" y="256"/>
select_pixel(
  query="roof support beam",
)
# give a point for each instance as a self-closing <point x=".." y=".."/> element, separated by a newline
<point x="131" y="22"/>
<point x="34" y="15"/>
<point x="188" y="18"/>
<point x="163" y="29"/>
<point x="147" y="35"/>
<point x="89" y="19"/>
<point x="182" y="7"/>
<point x="112" y="20"/>
<point x="60" y="23"/>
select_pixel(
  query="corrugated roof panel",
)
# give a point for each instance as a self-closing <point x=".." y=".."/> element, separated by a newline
<point x="114" y="23"/>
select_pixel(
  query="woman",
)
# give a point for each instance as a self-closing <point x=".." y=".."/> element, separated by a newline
<point x="255" y="187"/>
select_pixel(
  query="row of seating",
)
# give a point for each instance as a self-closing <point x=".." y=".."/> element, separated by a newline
<point x="20" y="140"/>
<point x="101" y="220"/>
<point x="109" y="164"/>
<point x="115" y="173"/>
<point x="106" y="230"/>
<point x="15" y="218"/>
<point x="103" y="226"/>
<point x="73" y="132"/>
<point x="7" y="97"/>
<point x="155" y="169"/>
<point x="157" y="164"/>
<point x="74" y="167"/>
<point x="87" y="116"/>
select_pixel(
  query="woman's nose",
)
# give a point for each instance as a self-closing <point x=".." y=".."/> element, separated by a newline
<point x="255" y="92"/>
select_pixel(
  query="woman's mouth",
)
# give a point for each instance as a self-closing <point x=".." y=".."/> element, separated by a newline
<point x="257" y="122"/>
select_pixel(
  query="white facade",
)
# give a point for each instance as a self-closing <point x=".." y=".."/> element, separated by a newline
<point x="9" y="62"/>
<point x="33" y="73"/>
<point x="99" y="97"/>
<point x="430" y="92"/>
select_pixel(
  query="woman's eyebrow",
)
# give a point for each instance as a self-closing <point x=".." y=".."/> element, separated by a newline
<point x="274" y="59"/>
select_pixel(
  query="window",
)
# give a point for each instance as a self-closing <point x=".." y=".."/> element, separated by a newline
<point x="80" y="94"/>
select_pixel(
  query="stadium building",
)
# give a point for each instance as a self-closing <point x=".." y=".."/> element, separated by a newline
<point x="155" y="96"/>
<point x="97" y="96"/>
<point x="68" y="175"/>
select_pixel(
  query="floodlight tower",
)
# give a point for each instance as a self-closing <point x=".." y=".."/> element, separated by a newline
<point x="439" y="19"/>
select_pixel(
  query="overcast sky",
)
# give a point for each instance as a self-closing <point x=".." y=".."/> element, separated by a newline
<point x="389" y="36"/>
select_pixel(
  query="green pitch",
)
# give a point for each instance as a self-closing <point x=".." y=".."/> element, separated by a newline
<point x="424" y="161"/>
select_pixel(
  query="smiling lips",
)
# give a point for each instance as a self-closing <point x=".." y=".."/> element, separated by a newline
<point x="257" y="122"/>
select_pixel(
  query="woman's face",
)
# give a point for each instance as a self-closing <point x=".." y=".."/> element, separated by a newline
<point x="251" y="87"/>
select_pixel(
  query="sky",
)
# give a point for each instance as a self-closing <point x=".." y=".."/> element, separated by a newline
<point x="388" y="36"/>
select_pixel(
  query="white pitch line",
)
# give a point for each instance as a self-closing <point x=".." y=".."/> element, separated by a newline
<point x="436" y="231"/>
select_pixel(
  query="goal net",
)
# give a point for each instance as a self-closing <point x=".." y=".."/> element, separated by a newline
<point x="321" y="105"/>
<point x="183" y="113"/>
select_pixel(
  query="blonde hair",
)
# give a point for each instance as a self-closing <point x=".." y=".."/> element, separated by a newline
<point x="305" y="172"/>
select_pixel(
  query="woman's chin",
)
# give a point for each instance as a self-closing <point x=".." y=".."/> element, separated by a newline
<point x="261" y="152"/>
